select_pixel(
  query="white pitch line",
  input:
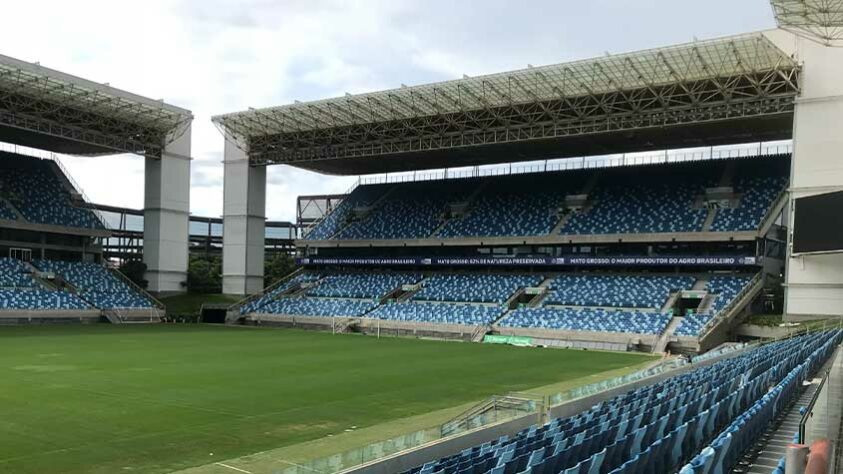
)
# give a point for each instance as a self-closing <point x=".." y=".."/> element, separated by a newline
<point x="232" y="467"/>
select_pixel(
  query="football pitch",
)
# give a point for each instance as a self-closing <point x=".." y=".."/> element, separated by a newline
<point x="140" y="399"/>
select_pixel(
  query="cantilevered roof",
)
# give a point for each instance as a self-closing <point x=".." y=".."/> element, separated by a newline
<point x="818" y="20"/>
<point x="548" y="111"/>
<point x="51" y="110"/>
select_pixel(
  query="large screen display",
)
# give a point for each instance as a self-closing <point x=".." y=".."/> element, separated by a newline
<point x="818" y="223"/>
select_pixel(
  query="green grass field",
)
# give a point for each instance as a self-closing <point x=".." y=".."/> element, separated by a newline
<point x="108" y="399"/>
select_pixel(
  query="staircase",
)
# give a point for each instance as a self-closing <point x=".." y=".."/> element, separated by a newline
<point x="346" y="325"/>
<point x="468" y="200"/>
<point x="501" y="406"/>
<point x="377" y="202"/>
<point x="480" y="332"/>
<point x="14" y="209"/>
<point x="664" y="339"/>
<point x="709" y="219"/>
<point x="113" y="316"/>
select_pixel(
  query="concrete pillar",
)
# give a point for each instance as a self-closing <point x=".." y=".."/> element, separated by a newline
<point x="165" y="217"/>
<point x="814" y="283"/>
<point x="244" y="216"/>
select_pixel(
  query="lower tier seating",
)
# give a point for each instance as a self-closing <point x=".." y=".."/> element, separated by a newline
<point x="621" y="291"/>
<point x="15" y="274"/>
<point x="725" y="289"/>
<point x="97" y="285"/>
<point x="586" y="319"/>
<point x="310" y="306"/>
<point x="361" y="285"/>
<point x="36" y="299"/>
<point x="657" y="428"/>
<point x="269" y="296"/>
<point x="6" y="213"/>
<point x="438" y="313"/>
<point x="481" y="288"/>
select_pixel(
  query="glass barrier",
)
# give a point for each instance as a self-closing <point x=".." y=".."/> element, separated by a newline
<point x="821" y="418"/>
<point x="498" y="409"/>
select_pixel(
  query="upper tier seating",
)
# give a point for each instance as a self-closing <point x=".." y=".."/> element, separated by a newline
<point x="519" y="205"/>
<point x="33" y="187"/>
<point x="664" y="198"/>
<point x="644" y="200"/>
<point x="328" y="307"/>
<point x="620" y="291"/>
<point x="659" y="427"/>
<point x="726" y="289"/>
<point x="481" y="288"/>
<point x="587" y="319"/>
<point x="6" y="212"/>
<point x="411" y="211"/>
<point x="758" y="189"/>
<point x="438" y="313"/>
<point x="336" y="220"/>
<point x="15" y="274"/>
<point x="97" y="284"/>
<point x="361" y="285"/>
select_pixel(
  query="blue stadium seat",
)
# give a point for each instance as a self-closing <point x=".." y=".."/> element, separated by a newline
<point x="31" y="185"/>
<point x="97" y="285"/>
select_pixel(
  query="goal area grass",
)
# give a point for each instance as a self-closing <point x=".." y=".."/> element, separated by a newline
<point x="159" y="398"/>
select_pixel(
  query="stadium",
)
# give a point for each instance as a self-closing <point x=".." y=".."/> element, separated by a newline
<point x="630" y="263"/>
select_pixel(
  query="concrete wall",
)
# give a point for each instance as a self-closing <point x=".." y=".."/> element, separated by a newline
<point x="244" y="216"/>
<point x="814" y="284"/>
<point x="166" y="215"/>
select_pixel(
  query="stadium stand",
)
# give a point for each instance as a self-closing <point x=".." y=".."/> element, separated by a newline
<point x="328" y="307"/>
<point x="660" y="427"/>
<point x="438" y="313"/>
<point x="587" y="319"/>
<point x="33" y="187"/>
<point x="659" y="200"/>
<point x="15" y="274"/>
<point x="411" y="211"/>
<point x="522" y="205"/>
<point x="725" y="289"/>
<point x="35" y="299"/>
<point x="362" y="196"/>
<point x="6" y="212"/>
<point x="96" y="284"/>
<point x="479" y="288"/>
<point x="270" y="295"/>
<point x="621" y="291"/>
<point x="633" y="199"/>
<point x="361" y="285"/>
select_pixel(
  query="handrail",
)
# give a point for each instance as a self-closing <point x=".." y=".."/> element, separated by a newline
<point x="248" y="299"/>
<point x="717" y="318"/>
<point x="810" y="407"/>
<point x="55" y="159"/>
<point x="158" y="304"/>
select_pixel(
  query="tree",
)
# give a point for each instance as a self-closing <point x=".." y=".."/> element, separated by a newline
<point x="204" y="275"/>
<point x="135" y="270"/>
<point x="277" y="267"/>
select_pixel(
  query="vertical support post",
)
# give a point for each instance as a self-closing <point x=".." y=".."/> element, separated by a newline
<point x="165" y="217"/>
<point x="244" y="216"/>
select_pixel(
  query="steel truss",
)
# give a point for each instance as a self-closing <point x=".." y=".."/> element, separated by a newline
<point x="739" y="77"/>
<point x="88" y="118"/>
<point x="817" y="20"/>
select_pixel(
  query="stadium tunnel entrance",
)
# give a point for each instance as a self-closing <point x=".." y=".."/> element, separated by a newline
<point x="213" y="313"/>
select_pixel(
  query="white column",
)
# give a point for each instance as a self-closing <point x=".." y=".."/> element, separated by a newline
<point x="814" y="284"/>
<point x="165" y="217"/>
<point x="244" y="216"/>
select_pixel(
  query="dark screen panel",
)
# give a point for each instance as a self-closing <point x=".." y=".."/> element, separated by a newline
<point x="818" y="223"/>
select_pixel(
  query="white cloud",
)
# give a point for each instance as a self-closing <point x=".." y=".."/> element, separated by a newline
<point x="216" y="56"/>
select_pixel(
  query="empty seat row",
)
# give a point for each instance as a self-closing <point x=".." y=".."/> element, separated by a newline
<point x="622" y="291"/>
<point x="438" y="313"/>
<point x="312" y="306"/>
<point x="724" y="290"/>
<point x="484" y="288"/>
<point x="587" y="319"/>
<point x="667" y="198"/>
<point x="34" y="188"/>
<point x="96" y="284"/>
<point x="361" y="285"/>
<point x="655" y="428"/>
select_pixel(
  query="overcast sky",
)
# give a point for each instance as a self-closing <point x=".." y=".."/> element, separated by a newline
<point x="215" y="56"/>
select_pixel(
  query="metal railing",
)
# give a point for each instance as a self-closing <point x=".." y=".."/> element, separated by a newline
<point x="248" y="299"/>
<point x="721" y="315"/>
<point x="115" y="270"/>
